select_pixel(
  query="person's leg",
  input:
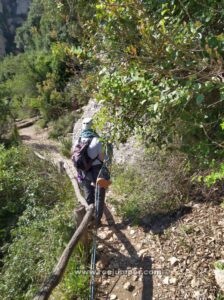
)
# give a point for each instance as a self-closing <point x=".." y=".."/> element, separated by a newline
<point x="100" y="197"/>
<point x="89" y="191"/>
<point x="99" y="194"/>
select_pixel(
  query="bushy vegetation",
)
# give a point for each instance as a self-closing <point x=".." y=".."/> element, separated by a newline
<point x="63" y="125"/>
<point x="156" y="66"/>
<point x="156" y="186"/>
<point x="165" y="81"/>
<point x="66" y="146"/>
<point x="36" y="223"/>
<point x="50" y="77"/>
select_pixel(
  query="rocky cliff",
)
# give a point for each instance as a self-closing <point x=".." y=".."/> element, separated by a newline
<point x="12" y="15"/>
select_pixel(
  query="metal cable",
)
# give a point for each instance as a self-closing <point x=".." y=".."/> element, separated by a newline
<point x="93" y="256"/>
<point x="93" y="268"/>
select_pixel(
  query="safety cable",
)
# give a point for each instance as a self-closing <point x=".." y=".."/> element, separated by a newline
<point x="93" y="256"/>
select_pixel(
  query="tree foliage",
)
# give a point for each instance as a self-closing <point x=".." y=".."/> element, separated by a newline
<point x="50" y="78"/>
<point x="160" y="71"/>
<point x="155" y="65"/>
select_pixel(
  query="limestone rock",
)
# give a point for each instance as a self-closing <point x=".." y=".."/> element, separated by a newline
<point x="2" y="44"/>
<point x="173" y="280"/>
<point x="132" y="232"/>
<point x="1" y="7"/>
<point x="128" y="286"/>
<point x="166" y="280"/>
<point x="173" y="261"/>
<point x="22" y="7"/>
<point x="103" y="262"/>
<point x="219" y="277"/>
<point x="142" y="252"/>
<point x="12" y="15"/>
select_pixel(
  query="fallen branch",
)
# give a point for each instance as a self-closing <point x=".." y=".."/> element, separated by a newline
<point x="26" y="123"/>
<point x="58" y="272"/>
<point x="39" y="155"/>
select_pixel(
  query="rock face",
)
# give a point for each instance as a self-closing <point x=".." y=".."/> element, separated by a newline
<point x="22" y="7"/>
<point x="219" y="276"/>
<point x="12" y="14"/>
<point x="2" y="43"/>
<point x="128" y="153"/>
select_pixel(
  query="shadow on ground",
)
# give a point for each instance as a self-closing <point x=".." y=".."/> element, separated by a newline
<point x="132" y="261"/>
<point x="157" y="224"/>
<point x="45" y="147"/>
<point x="160" y="222"/>
<point x="25" y="137"/>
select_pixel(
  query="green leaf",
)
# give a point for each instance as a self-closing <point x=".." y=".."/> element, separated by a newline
<point x="155" y="106"/>
<point x="199" y="99"/>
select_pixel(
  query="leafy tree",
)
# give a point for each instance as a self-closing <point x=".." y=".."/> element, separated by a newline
<point x="159" y="71"/>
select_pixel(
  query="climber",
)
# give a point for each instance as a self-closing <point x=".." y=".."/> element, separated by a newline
<point x="88" y="157"/>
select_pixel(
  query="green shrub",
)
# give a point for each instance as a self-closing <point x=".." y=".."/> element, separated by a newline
<point x="63" y="126"/>
<point x="42" y="123"/>
<point x="157" y="185"/>
<point x="219" y="265"/>
<point x="72" y="284"/>
<point x="220" y="296"/>
<point x="214" y="176"/>
<point x="66" y="145"/>
<point x="36" y="204"/>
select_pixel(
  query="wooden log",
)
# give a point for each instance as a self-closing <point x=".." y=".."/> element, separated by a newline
<point x="39" y="155"/>
<point x="72" y="175"/>
<point x="58" y="272"/>
<point x="78" y="215"/>
<point x="26" y="123"/>
<point x="61" y="168"/>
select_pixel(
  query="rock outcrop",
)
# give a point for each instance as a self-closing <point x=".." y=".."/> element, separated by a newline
<point x="12" y="14"/>
<point x="22" y="7"/>
<point x="2" y="43"/>
<point x="129" y="152"/>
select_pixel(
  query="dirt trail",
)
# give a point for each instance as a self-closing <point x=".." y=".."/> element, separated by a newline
<point x="38" y="139"/>
<point x="171" y="260"/>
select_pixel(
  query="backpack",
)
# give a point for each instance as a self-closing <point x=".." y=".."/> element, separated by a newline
<point x="80" y="157"/>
